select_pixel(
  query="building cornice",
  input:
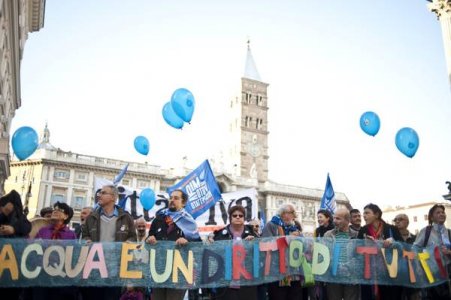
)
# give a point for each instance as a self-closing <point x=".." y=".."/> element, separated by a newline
<point x="36" y="14"/>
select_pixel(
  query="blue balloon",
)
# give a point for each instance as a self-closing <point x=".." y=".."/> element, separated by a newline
<point x="370" y="123"/>
<point x="171" y="117"/>
<point x="407" y="141"/>
<point x="183" y="103"/>
<point x="24" y="142"/>
<point x="142" y="145"/>
<point x="147" y="198"/>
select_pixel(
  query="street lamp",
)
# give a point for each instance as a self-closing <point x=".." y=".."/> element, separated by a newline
<point x="448" y="196"/>
<point x="27" y="200"/>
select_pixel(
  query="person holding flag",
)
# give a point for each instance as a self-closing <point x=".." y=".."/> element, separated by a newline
<point x="173" y="224"/>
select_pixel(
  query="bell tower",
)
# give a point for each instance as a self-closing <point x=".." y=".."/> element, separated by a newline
<point x="250" y="124"/>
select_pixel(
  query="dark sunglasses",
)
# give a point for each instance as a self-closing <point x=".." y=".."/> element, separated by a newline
<point x="238" y="216"/>
<point x="399" y="220"/>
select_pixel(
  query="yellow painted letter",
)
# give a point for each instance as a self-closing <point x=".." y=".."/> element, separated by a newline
<point x="393" y="267"/>
<point x="126" y="256"/>
<point x="423" y="258"/>
<point x="9" y="263"/>
<point x="187" y="271"/>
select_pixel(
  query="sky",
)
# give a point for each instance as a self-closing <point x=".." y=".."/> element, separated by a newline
<point x="99" y="73"/>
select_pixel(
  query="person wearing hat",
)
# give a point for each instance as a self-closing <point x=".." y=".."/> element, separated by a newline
<point x="46" y="212"/>
<point x="58" y="229"/>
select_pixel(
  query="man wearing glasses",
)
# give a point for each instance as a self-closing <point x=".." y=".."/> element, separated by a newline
<point x="108" y="223"/>
<point x="173" y="224"/>
<point x="401" y="222"/>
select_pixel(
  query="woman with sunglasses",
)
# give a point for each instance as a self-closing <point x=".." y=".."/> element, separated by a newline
<point x="236" y="230"/>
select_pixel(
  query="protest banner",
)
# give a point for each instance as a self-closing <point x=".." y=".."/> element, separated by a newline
<point x="68" y="263"/>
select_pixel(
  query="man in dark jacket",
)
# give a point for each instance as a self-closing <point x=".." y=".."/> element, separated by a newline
<point x="98" y="226"/>
<point x="173" y="224"/>
<point x="108" y="223"/>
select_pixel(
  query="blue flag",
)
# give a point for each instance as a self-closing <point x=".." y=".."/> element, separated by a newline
<point x="121" y="175"/>
<point x="328" y="200"/>
<point x="262" y="218"/>
<point x="202" y="189"/>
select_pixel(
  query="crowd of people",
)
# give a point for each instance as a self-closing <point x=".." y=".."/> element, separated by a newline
<point x="109" y="223"/>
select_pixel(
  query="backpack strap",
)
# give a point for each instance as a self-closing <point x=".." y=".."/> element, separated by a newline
<point x="427" y="235"/>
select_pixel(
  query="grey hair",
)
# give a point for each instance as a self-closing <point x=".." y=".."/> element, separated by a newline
<point x="286" y="208"/>
<point x="113" y="189"/>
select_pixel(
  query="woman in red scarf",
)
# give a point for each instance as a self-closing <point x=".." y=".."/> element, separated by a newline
<point x="377" y="230"/>
<point x="58" y="229"/>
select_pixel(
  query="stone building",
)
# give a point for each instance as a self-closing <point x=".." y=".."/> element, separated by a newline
<point x="51" y="174"/>
<point x="17" y="19"/>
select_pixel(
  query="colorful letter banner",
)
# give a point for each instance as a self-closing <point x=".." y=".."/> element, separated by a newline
<point x="26" y="263"/>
